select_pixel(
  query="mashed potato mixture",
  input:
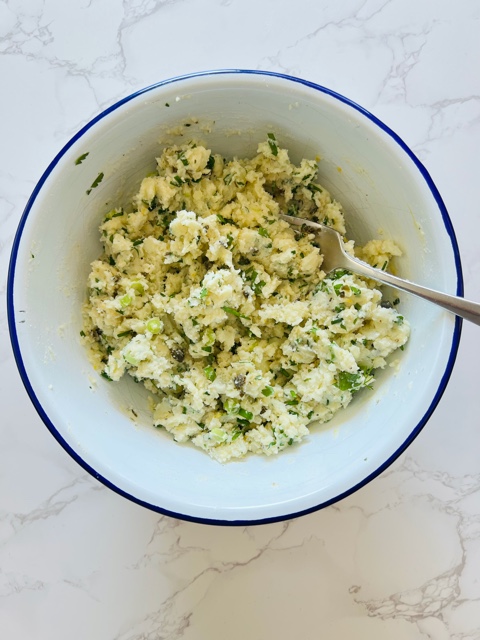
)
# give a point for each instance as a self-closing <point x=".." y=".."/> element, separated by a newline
<point x="222" y="310"/>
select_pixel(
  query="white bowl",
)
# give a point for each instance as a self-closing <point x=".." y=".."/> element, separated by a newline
<point x="384" y="189"/>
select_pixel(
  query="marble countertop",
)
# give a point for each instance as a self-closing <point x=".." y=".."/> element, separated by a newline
<point x="399" y="559"/>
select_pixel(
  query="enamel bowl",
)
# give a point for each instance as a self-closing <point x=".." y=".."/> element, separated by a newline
<point x="385" y="192"/>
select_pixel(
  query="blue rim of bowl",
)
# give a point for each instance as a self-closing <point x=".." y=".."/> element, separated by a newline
<point x="74" y="454"/>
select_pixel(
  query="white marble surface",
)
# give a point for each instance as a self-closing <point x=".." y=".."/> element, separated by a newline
<point x="398" y="560"/>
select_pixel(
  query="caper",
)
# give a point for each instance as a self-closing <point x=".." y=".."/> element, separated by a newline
<point x="178" y="354"/>
<point x="239" y="381"/>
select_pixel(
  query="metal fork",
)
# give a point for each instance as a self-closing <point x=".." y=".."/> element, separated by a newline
<point x="335" y="257"/>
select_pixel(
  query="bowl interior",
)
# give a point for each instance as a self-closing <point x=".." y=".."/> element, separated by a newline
<point x="384" y="194"/>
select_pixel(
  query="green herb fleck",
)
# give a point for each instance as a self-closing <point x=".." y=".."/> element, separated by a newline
<point x="211" y="162"/>
<point x="176" y="181"/>
<point x="272" y="144"/>
<point x="231" y="406"/>
<point x="81" y="158"/>
<point x="183" y="160"/>
<point x="210" y="373"/>
<point x="248" y="415"/>
<point x="113" y="214"/>
<point x="234" y="312"/>
<point x="125" y="333"/>
<point x="95" y="183"/>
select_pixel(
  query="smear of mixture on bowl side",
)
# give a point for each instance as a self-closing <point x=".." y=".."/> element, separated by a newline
<point x="222" y="310"/>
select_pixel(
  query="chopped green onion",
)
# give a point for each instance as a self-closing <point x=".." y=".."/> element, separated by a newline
<point x="267" y="391"/>
<point x="209" y="336"/>
<point x="129" y="357"/>
<point x="154" y="325"/>
<point x="125" y="333"/>
<point x="138" y="287"/>
<point x="339" y="273"/>
<point x="203" y="292"/>
<point x="106" y="376"/>
<point x="231" y="406"/>
<point x="263" y="232"/>
<point x="211" y="162"/>
<point x="182" y="158"/>
<point x="113" y="214"/>
<point x="272" y="144"/>
<point x="210" y="373"/>
<point x="125" y="300"/>
<point x="234" y="312"/>
<point x="248" y="415"/>
<point x="218" y="435"/>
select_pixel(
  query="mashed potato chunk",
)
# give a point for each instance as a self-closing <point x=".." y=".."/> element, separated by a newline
<point x="222" y="310"/>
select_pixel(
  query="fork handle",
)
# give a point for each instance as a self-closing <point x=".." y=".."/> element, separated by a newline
<point x="459" y="306"/>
